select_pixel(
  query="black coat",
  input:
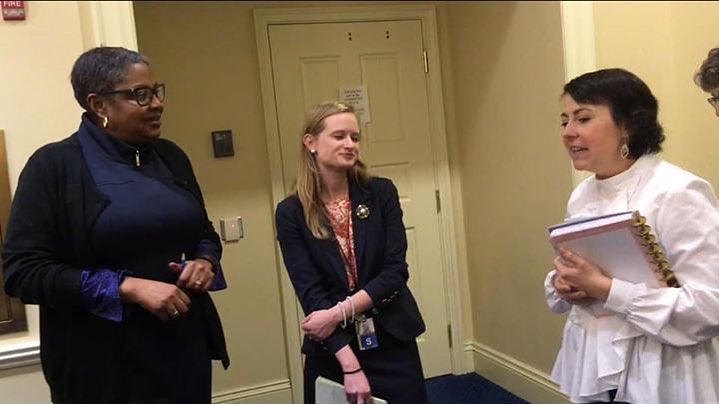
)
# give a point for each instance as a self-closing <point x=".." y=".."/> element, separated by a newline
<point x="48" y="243"/>
<point x="318" y="273"/>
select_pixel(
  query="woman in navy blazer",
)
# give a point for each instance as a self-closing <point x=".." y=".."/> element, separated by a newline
<point x="344" y="245"/>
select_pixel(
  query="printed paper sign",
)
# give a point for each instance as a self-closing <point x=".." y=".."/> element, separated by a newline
<point x="357" y="97"/>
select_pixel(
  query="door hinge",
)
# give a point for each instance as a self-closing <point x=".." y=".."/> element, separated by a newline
<point x="437" y="200"/>
<point x="426" y="61"/>
<point x="449" y="335"/>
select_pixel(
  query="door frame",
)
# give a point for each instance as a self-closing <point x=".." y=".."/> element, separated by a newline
<point x="579" y="51"/>
<point x="427" y="15"/>
<point x="107" y="23"/>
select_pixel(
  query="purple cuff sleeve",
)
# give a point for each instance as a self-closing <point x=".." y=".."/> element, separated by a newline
<point x="101" y="293"/>
<point x="208" y="250"/>
<point x="218" y="282"/>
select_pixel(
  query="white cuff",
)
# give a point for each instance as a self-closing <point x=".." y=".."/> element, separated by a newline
<point x="549" y="279"/>
<point x="621" y="294"/>
<point x="554" y="301"/>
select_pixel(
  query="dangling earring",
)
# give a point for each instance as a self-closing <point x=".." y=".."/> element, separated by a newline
<point x="624" y="151"/>
<point x="105" y="120"/>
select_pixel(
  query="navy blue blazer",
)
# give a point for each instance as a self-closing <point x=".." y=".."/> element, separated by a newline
<point x="318" y="273"/>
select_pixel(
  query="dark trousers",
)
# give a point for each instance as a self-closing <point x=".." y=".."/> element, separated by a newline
<point x="394" y="371"/>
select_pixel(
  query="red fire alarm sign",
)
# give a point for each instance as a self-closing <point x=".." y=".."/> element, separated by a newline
<point x="13" y="10"/>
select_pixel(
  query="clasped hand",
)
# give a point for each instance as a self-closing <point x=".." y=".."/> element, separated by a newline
<point x="579" y="281"/>
<point x="319" y="324"/>
<point x="194" y="274"/>
<point x="164" y="300"/>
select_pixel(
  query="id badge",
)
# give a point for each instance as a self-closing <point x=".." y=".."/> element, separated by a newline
<point x="366" y="335"/>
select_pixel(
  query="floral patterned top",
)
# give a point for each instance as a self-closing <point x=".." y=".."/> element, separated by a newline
<point x="339" y="212"/>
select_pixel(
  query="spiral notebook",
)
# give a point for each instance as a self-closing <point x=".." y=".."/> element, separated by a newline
<point x="622" y="244"/>
<point x="330" y="392"/>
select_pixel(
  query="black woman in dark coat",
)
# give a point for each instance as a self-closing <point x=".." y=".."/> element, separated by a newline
<point x="108" y="234"/>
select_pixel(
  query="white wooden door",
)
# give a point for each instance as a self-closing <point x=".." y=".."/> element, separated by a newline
<point x="310" y="62"/>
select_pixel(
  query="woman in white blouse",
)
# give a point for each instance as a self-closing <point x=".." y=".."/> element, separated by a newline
<point x="658" y="345"/>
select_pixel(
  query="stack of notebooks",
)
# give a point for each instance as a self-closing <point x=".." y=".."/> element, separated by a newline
<point x="621" y="244"/>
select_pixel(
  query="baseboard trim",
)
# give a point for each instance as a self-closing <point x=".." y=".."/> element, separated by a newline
<point x="521" y="379"/>
<point x="276" y="392"/>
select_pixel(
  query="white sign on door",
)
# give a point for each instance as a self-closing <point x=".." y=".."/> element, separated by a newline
<point x="357" y="97"/>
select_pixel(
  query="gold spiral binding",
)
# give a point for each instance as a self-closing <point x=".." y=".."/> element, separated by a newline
<point x="649" y="239"/>
<point x="659" y="258"/>
<point x="654" y="250"/>
<point x="643" y="231"/>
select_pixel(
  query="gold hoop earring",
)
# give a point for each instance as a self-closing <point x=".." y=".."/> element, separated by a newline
<point x="624" y="151"/>
<point x="105" y="120"/>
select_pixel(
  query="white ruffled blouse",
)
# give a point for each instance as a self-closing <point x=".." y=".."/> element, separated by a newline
<point x="659" y="347"/>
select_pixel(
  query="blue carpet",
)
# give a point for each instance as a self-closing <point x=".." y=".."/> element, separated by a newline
<point x="469" y="388"/>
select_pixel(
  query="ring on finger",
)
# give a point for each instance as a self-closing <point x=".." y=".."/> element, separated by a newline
<point x="174" y="313"/>
<point x="198" y="282"/>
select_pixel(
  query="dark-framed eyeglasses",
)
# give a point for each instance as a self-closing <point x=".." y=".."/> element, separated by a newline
<point x="713" y="101"/>
<point x="142" y="95"/>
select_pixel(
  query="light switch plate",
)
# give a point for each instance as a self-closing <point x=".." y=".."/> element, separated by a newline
<point x="231" y="229"/>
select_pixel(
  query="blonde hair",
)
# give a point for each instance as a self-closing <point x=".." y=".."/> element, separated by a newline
<point x="308" y="185"/>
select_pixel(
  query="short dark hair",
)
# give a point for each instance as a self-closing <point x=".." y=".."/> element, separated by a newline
<point x="100" y="69"/>
<point x="708" y="75"/>
<point x="631" y="103"/>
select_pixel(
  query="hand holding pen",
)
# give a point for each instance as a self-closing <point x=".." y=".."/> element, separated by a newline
<point x="194" y="274"/>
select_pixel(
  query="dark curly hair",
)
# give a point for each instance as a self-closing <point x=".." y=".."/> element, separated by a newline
<point x="100" y="69"/>
<point x="708" y="75"/>
<point x="631" y="103"/>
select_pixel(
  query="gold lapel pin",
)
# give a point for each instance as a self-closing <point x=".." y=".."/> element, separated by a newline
<point x="362" y="212"/>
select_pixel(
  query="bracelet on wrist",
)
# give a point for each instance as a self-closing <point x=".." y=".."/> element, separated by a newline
<point x="352" y="303"/>
<point x="351" y="372"/>
<point x="344" y="314"/>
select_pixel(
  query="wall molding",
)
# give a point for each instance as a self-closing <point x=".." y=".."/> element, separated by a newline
<point x="265" y="392"/>
<point x="578" y="37"/>
<point x="108" y="23"/>
<point x="516" y="376"/>
<point x="579" y="48"/>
